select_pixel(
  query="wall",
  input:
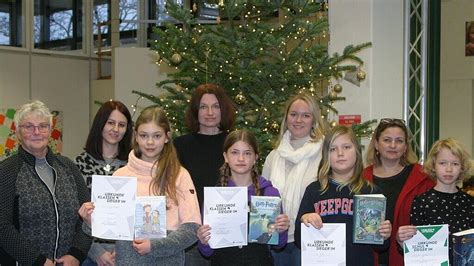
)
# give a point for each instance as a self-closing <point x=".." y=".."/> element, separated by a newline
<point x="61" y="82"/>
<point x="457" y="73"/>
<point x="135" y="69"/>
<point x="381" y="23"/>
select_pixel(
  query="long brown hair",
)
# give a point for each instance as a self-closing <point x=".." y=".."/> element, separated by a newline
<point x="167" y="165"/>
<point x="231" y="139"/>
<point x="226" y="105"/>
<point x="356" y="182"/>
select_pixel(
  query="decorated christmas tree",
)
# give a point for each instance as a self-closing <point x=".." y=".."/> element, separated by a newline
<point x="261" y="52"/>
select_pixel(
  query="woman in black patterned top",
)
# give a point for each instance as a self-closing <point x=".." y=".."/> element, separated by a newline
<point x="107" y="148"/>
<point x="448" y="163"/>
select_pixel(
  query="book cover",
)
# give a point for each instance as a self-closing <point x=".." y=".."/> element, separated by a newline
<point x="463" y="248"/>
<point x="150" y="217"/>
<point x="369" y="212"/>
<point x="263" y="213"/>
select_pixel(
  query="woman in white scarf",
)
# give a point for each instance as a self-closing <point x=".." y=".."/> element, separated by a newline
<point x="293" y="165"/>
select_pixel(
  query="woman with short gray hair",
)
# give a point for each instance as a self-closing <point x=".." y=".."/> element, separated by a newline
<point x="40" y="194"/>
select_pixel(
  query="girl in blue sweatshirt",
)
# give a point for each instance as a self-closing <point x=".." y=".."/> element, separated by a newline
<point x="239" y="169"/>
<point x="330" y="198"/>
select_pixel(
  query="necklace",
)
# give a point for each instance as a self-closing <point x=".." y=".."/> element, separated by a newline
<point x="108" y="165"/>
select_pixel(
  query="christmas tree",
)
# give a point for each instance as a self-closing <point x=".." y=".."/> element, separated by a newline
<point x="261" y="53"/>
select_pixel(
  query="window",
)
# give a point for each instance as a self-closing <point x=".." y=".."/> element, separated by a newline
<point x="58" y="24"/>
<point x="11" y="26"/>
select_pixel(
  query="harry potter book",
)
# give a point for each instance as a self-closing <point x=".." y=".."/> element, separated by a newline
<point x="369" y="212"/>
<point x="263" y="213"/>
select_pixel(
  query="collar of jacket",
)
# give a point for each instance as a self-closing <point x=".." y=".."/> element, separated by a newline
<point x="31" y="159"/>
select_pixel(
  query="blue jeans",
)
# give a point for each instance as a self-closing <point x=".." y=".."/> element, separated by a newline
<point x="290" y="255"/>
<point x="88" y="262"/>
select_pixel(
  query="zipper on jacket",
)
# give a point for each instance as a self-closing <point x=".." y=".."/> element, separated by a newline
<point x="55" y="203"/>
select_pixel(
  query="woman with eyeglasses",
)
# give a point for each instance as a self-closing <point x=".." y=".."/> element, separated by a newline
<point x="40" y="194"/>
<point x="107" y="147"/>
<point x="393" y="167"/>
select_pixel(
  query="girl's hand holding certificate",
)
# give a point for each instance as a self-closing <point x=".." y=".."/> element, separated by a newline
<point x="312" y="219"/>
<point x="86" y="211"/>
<point x="204" y="234"/>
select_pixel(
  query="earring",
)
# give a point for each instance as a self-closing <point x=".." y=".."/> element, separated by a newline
<point x="377" y="152"/>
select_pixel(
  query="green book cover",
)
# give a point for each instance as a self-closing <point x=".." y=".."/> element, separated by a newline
<point x="369" y="212"/>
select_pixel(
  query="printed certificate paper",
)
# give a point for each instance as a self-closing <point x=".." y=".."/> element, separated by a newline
<point x="325" y="246"/>
<point x="226" y="211"/>
<point x="428" y="247"/>
<point x="114" y="212"/>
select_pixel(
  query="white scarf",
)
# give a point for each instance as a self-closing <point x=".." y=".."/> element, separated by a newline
<point x="293" y="186"/>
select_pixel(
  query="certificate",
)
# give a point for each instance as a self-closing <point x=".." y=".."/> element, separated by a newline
<point x="429" y="246"/>
<point x="325" y="246"/>
<point x="114" y="202"/>
<point x="226" y="211"/>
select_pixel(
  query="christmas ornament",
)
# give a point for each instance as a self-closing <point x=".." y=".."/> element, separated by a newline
<point x="274" y="127"/>
<point x="361" y="75"/>
<point x="333" y="123"/>
<point x="176" y="58"/>
<point x="332" y="95"/>
<point x="337" y="88"/>
<point x="195" y="7"/>
<point x="221" y="2"/>
<point x="300" y="69"/>
<point x="240" y="98"/>
<point x="312" y="89"/>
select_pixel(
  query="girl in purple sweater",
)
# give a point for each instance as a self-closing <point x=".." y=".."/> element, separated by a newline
<point x="239" y="169"/>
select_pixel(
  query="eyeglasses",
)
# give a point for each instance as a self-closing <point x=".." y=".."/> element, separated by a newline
<point x="30" y="128"/>
<point x="393" y="121"/>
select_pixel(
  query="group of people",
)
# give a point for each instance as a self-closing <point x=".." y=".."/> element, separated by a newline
<point x="45" y="208"/>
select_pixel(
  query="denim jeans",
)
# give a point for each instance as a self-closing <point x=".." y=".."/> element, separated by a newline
<point x="290" y="255"/>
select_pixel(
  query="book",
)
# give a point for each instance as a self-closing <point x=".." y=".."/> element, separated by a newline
<point x="325" y="246"/>
<point x="429" y="246"/>
<point x="463" y="248"/>
<point x="369" y="212"/>
<point x="263" y="213"/>
<point x="150" y="217"/>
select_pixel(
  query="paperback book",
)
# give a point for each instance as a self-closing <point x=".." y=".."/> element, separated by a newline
<point x="150" y="217"/>
<point x="369" y="212"/>
<point x="263" y="213"/>
<point x="463" y="248"/>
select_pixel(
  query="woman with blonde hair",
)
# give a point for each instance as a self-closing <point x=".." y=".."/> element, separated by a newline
<point x="293" y="164"/>
<point x="393" y="167"/>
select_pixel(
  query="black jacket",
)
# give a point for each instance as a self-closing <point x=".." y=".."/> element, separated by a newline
<point x="34" y="223"/>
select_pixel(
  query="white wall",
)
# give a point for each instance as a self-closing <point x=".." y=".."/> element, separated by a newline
<point x="379" y="22"/>
<point x="135" y="69"/>
<point x="61" y="82"/>
<point x="457" y="73"/>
